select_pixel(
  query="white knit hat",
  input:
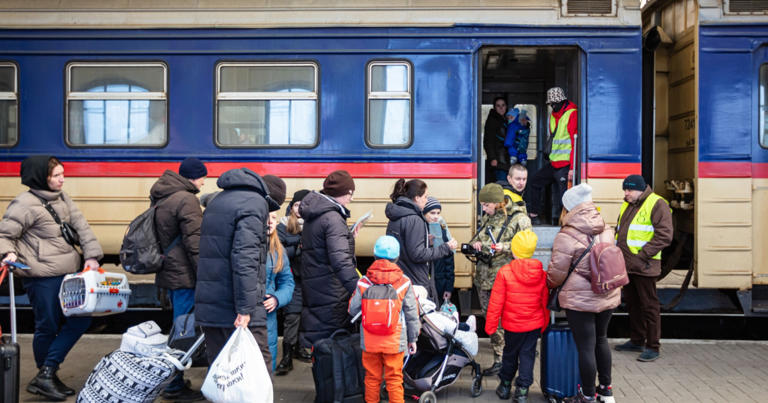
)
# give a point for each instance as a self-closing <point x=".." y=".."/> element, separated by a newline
<point x="576" y="195"/>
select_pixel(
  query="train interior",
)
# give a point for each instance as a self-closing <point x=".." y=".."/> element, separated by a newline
<point x="522" y="75"/>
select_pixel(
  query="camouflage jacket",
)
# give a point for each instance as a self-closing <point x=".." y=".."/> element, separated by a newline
<point x="485" y="272"/>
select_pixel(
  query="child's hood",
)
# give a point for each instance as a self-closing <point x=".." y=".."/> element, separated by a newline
<point x="528" y="271"/>
<point x="382" y="271"/>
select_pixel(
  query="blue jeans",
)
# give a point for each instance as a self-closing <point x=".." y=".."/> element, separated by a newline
<point x="55" y="334"/>
<point x="519" y="347"/>
<point x="182" y="301"/>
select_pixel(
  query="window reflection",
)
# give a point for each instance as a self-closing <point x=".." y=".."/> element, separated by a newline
<point x="389" y="104"/>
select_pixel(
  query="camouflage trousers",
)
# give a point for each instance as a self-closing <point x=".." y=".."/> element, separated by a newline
<point x="497" y="338"/>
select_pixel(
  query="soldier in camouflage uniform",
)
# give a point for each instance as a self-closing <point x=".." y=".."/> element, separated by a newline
<point x="503" y="223"/>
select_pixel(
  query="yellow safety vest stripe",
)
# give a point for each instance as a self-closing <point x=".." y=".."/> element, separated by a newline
<point x="641" y="228"/>
<point x="561" y="143"/>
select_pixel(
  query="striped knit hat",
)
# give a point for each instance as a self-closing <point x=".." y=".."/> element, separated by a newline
<point x="432" y="204"/>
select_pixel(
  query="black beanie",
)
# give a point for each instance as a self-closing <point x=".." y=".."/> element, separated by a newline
<point x="34" y="172"/>
<point x="338" y="183"/>
<point x="634" y="182"/>
<point x="297" y="197"/>
<point x="276" y="188"/>
<point x="192" y="168"/>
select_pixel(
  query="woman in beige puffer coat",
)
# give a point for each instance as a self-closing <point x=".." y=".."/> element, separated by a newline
<point x="588" y="313"/>
<point x="30" y="235"/>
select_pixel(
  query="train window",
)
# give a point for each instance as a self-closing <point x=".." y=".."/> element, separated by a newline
<point x="116" y="104"/>
<point x="9" y="105"/>
<point x="389" y="104"/>
<point x="763" y="123"/>
<point x="266" y="104"/>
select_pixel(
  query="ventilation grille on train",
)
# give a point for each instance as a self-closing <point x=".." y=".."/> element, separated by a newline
<point x="746" y="6"/>
<point x="604" y="7"/>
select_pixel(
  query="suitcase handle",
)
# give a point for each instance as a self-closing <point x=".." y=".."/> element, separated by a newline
<point x="6" y="269"/>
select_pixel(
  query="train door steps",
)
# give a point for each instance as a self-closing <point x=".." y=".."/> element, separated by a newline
<point x="546" y="234"/>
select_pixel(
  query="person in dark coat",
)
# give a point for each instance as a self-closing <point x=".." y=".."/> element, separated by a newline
<point x="494" y="133"/>
<point x="289" y="232"/>
<point x="408" y="226"/>
<point x="328" y="272"/>
<point x="231" y="275"/>
<point x="177" y="222"/>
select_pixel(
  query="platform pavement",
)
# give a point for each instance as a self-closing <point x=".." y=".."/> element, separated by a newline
<point x="688" y="371"/>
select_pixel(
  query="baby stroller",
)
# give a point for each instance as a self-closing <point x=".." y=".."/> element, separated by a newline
<point x="438" y="362"/>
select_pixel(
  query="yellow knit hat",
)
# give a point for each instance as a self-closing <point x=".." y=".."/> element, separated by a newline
<point x="524" y="244"/>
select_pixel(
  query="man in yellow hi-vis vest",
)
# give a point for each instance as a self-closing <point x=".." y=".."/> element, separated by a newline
<point x="644" y="228"/>
<point x="563" y="125"/>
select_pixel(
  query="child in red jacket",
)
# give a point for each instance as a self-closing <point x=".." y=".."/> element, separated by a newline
<point x="519" y="299"/>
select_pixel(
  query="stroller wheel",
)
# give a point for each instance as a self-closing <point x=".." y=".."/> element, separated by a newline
<point x="428" y="397"/>
<point x="477" y="386"/>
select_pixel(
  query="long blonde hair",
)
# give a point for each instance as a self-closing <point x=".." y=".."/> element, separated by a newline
<point x="276" y="249"/>
<point x="293" y="226"/>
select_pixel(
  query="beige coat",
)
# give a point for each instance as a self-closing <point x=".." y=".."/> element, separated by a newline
<point x="569" y="245"/>
<point x="29" y="230"/>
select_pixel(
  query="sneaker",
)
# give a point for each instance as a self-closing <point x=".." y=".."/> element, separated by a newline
<point x="503" y="390"/>
<point x="521" y="394"/>
<point x="605" y="394"/>
<point x="648" y="355"/>
<point x="472" y="323"/>
<point x="493" y="369"/>
<point x="184" y="394"/>
<point x="629" y="346"/>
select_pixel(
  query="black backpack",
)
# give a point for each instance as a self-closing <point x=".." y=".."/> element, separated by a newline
<point x="140" y="252"/>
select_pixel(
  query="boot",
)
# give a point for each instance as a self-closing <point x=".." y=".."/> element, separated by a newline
<point x="502" y="391"/>
<point x="493" y="369"/>
<point x="43" y="384"/>
<point x="286" y="364"/>
<point x="62" y="387"/>
<point x="521" y="394"/>
<point x="301" y="353"/>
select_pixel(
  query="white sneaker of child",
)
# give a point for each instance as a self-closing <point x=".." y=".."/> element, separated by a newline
<point x="472" y="323"/>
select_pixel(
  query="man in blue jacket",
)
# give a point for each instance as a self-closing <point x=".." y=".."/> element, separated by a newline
<point x="231" y="277"/>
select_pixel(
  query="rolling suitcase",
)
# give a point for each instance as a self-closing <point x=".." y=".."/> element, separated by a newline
<point x="337" y="367"/>
<point x="9" y="350"/>
<point x="559" y="362"/>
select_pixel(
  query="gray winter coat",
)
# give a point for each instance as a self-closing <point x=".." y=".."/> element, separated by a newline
<point x="29" y="230"/>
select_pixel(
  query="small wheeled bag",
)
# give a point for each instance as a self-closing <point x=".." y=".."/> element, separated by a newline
<point x="559" y="362"/>
<point x="337" y="368"/>
<point x="9" y="350"/>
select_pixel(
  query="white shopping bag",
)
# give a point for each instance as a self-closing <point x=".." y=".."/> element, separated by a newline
<point x="238" y="374"/>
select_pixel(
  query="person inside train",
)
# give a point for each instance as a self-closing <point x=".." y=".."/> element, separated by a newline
<point x="516" y="140"/>
<point x="408" y="225"/>
<point x="231" y="274"/>
<point x="563" y="126"/>
<point x="496" y="156"/>
<point x="328" y="264"/>
<point x="177" y="222"/>
<point x="30" y="234"/>
<point x="438" y="235"/>
<point x="588" y="313"/>
<point x="514" y="188"/>
<point x="493" y="241"/>
<point x="643" y="230"/>
<point x="289" y="232"/>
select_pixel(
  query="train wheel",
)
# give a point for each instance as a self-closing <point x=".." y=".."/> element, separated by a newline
<point x="428" y="397"/>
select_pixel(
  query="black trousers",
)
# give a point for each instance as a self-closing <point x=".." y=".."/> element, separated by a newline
<point x="590" y="332"/>
<point x="519" y="353"/>
<point x="544" y="177"/>
<point x="644" y="311"/>
<point x="216" y="338"/>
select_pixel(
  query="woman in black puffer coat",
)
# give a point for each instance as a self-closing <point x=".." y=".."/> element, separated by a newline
<point x="328" y="270"/>
<point x="408" y="226"/>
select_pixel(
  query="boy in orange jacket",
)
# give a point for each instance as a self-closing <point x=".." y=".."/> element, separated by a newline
<point x="519" y="299"/>
<point x="390" y="320"/>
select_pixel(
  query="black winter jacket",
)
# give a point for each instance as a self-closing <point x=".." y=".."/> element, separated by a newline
<point x="328" y="273"/>
<point x="407" y="224"/>
<point x="231" y="275"/>
<point x="292" y="245"/>
<point x="178" y="214"/>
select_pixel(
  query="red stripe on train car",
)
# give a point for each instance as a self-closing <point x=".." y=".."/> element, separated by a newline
<point x="733" y="170"/>
<point x="612" y="170"/>
<point x="451" y="170"/>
